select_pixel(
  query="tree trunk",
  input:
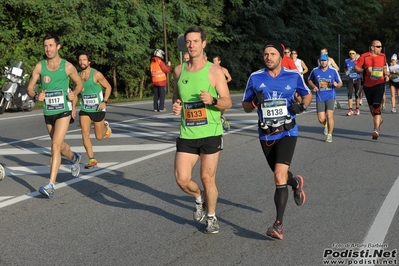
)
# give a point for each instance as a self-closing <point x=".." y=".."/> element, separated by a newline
<point x="115" y="89"/>
<point x="142" y="86"/>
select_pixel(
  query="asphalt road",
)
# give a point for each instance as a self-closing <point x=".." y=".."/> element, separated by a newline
<point x="129" y="211"/>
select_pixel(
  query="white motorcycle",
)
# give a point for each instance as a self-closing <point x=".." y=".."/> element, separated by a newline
<point x="14" y="90"/>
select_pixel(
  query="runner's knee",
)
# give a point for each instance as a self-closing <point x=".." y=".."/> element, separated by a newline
<point x="377" y="108"/>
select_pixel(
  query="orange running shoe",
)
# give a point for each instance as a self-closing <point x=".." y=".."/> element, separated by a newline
<point x="91" y="164"/>
<point x="108" y="130"/>
<point x="299" y="193"/>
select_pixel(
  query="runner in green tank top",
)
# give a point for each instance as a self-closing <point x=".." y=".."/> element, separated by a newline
<point x="200" y="93"/>
<point x="56" y="86"/>
<point x="59" y="106"/>
<point x="92" y="105"/>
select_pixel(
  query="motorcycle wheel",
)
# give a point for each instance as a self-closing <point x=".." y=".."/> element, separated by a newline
<point x="4" y="106"/>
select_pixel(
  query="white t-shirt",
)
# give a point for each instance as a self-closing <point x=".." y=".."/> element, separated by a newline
<point x="298" y="64"/>
<point x="394" y="76"/>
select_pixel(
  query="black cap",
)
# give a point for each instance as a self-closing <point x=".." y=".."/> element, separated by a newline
<point x="277" y="45"/>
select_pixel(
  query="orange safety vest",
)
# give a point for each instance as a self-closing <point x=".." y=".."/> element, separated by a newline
<point x="157" y="75"/>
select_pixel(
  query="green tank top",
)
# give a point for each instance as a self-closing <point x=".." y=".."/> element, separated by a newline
<point x="91" y="95"/>
<point x="56" y="85"/>
<point x="198" y="120"/>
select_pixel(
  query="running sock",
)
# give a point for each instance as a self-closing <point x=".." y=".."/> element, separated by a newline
<point x="280" y="200"/>
<point x="75" y="158"/>
<point x="213" y="215"/>
<point x="199" y="199"/>
<point x="292" y="181"/>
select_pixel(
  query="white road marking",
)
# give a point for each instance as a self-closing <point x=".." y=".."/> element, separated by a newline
<point x="109" y="148"/>
<point x="38" y="170"/>
<point x="384" y="218"/>
<point x="85" y="177"/>
<point x="4" y="198"/>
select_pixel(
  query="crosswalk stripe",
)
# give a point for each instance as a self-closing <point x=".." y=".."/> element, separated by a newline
<point x="127" y="135"/>
<point x="22" y="170"/>
<point x="108" y="148"/>
<point x="4" y="198"/>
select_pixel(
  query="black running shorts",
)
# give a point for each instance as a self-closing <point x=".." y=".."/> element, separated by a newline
<point x="279" y="151"/>
<point x="209" y="145"/>
<point x="50" y="119"/>
<point x="94" y="116"/>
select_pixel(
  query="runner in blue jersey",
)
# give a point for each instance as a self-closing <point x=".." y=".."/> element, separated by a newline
<point x="324" y="80"/>
<point x="271" y="92"/>
<point x="353" y="82"/>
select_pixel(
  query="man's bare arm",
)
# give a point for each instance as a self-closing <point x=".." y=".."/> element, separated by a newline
<point x="33" y="79"/>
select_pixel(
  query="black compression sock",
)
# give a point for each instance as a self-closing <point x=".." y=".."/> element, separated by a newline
<point x="280" y="200"/>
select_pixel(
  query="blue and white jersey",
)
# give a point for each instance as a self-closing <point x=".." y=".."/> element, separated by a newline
<point x="324" y="80"/>
<point x="350" y="67"/>
<point x="279" y="94"/>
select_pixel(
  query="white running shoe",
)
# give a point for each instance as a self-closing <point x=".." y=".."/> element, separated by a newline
<point x="75" y="166"/>
<point x="2" y="172"/>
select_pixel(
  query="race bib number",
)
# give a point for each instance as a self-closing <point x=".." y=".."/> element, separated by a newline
<point x="195" y="114"/>
<point x="325" y="84"/>
<point x="274" y="108"/>
<point x="90" y="101"/>
<point x="376" y="73"/>
<point x="352" y="73"/>
<point x="55" y="100"/>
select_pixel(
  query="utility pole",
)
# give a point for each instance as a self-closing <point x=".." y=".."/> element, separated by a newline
<point x="339" y="51"/>
<point x="165" y="42"/>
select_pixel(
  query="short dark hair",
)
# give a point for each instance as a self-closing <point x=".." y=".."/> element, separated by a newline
<point x="52" y="36"/>
<point x="83" y="52"/>
<point x="196" y="29"/>
<point x="218" y="57"/>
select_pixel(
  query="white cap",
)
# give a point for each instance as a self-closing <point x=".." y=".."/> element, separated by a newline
<point x="394" y="56"/>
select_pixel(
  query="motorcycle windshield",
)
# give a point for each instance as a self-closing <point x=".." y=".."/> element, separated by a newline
<point x="17" y="64"/>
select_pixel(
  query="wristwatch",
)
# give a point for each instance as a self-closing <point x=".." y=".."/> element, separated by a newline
<point x="106" y="102"/>
<point x="214" y="101"/>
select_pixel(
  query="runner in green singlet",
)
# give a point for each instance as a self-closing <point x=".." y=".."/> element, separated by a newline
<point x="200" y="93"/>
<point x="92" y="105"/>
<point x="58" y="107"/>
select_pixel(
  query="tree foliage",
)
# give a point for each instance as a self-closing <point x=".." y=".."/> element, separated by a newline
<point x="121" y="35"/>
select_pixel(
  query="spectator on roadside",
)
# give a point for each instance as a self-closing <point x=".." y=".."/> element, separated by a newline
<point x="159" y="70"/>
